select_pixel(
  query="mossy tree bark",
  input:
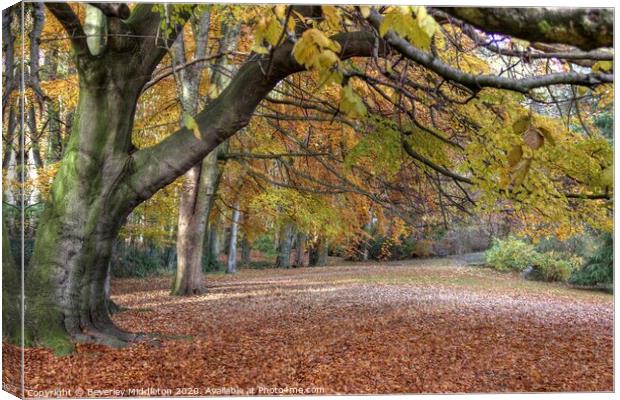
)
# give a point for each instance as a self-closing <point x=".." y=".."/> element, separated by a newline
<point x="90" y="197"/>
<point x="87" y="205"/>
<point x="11" y="293"/>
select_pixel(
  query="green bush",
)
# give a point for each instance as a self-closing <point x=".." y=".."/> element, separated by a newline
<point x="554" y="267"/>
<point x="130" y="261"/>
<point x="516" y="255"/>
<point x="510" y="254"/>
<point x="266" y="245"/>
<point x="599" y="268"/>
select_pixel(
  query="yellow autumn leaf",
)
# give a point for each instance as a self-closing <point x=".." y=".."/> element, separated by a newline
<point x="315" y="50"/>
<point x="280" y="11"/>
<point x="332" y="16"/>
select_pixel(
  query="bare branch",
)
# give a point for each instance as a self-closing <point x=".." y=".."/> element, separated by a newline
<point x="442" y="170"/>
<point x="228" y="156"/>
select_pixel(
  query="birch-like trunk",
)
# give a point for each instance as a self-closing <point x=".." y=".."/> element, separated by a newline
<point x="231" y="266"/>
<point x="201" y="181"/>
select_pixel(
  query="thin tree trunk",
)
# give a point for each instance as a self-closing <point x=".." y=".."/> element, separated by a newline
<point x="210" y="247"/>
<point x="246" y="251"/>
<point x="54" y="150"/>
<point x="190" y="236"/>
<point x="231" y="267"/>
<point x="34" y="137"/>
<point x="210" y="173"/>
<point x="366" y="242"/>
<point x="10" y="135"/>
<point x="8" y="52"/>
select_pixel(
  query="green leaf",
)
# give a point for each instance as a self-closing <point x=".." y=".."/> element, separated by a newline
<point x="521" y="125"/>
<point x="602" y="66"/>
<point x="351" y="103"/>
<point x="514" y="156"/>
<point x="190" y="123"/>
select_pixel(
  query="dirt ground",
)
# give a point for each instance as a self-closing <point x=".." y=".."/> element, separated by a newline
<point x="423" y="326"/>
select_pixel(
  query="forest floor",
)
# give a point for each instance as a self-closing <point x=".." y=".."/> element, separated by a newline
<point x="419" y="326"/>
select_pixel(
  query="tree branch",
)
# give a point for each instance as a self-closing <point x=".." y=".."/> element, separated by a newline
<point x="159" y="165"/>
<point x="228" y="156"/>
<point x="586" y="28"/>
<point x="70" y="21"/>
<point x="118" y="10"/>
<point x="477" y="82"/>
<point x="444" y="171"/>
<point x="145" y="23"/>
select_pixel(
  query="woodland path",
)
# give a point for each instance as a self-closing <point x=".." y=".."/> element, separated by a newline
<point x="415" y="326"/>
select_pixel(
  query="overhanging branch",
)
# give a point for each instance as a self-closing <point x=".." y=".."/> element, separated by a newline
<point x="586" y="28"/>
<point x="70" y="21"/>
<point x="477" y="82"/>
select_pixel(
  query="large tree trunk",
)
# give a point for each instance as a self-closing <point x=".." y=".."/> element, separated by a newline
<point x="87" y="205"/>
<point x="11" y="296"/>
<point x="285" y="245"/>
<point x="318" y="252"/>
<point x="300" y="250"/>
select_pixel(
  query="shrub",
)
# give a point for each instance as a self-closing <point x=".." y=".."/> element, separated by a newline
<point x="141" y="261"/>
<point x="598" y="269"/>
<point x="553" y="267"/>
<point x="516" y="255"/>
<point x="510" y="254"/>
<point x="423" y="248"/>
<point x="266" y="245"/>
